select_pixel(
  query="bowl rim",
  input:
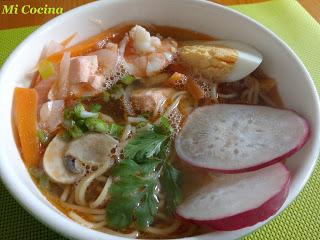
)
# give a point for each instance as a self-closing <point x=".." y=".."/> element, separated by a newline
<point x="67" y="227"/>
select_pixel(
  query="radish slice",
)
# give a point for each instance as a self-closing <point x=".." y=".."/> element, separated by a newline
<point x="236" y="201"/>
<point x="234" y="138"/>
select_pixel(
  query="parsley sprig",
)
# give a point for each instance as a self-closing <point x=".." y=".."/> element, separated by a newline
<point x="137" y="179"/>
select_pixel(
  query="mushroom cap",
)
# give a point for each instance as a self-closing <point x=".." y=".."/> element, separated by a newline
<point x="92" y="149"/>
<point x="53" y="162"/>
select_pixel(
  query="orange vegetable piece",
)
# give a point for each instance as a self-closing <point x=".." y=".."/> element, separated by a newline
<point x="68" y="39"/>
<point x="91" y="44"/>
<point x="25" y="119"/>
<point x="177" y="80"/>
<point x="195" y="90"/>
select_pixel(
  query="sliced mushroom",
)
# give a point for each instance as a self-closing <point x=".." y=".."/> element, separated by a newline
<point x="68" y="162"/>
<point x="53" y="163"/>
<point x="90" y="150"/>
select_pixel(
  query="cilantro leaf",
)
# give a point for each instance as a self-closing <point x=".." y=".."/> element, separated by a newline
<point x="129" y="167"/>
<point x="165" y="124"/>
<point x="127" y="186"/>
<point x="170" y="182"/>
<point x="146" y="211"/>
<point x="125" y="168"/>
<point x="145" y="144"/>
<point x="136" y="179"/>
<point x="119" y="211"/>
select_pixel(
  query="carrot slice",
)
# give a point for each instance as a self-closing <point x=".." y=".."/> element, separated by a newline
<point x="68" y="39"/>
<point x="91" y="44"/>
<point x="195" y="90"/>
<point x="25" y="118"/>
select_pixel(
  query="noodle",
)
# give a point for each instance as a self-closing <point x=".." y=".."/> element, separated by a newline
<point x="102" y="178"/>
<point x="136" y="119"/>
<point x="81" y="188"/>
<point x="267" y="100"/>
<point x="125" y="134"/>
<point x="256" y="91"/>
<point x="159" y="107"/>
<point x="190" y="231"/>
<point x="71" y="197"/>
<point x="83" y="209"/>
<point x="84" y="222"/>
<point x="106" y="118"/>
<point x="251" y="95"/>
<point x="164" y="231"/>
<point x="103" y="196"/>
<point x="173" y="105"/>
<point x="86" y="200"/>
<point x="228" y="96"/>
<point x="97" y="218"/>
<point x="163" y="217"/>
<point x="214" y="94"/>
<point x="133" y="234"/>
<point x="65" y="193"/>
<point x="123" y="140"/>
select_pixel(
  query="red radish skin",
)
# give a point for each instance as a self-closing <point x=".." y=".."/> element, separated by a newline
<point x="277" y="159"/>
<point x="247" y="218"/>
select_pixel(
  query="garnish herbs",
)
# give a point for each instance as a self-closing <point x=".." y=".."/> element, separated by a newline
<point x="137" y="179"/>
<point x="78" y="120"/>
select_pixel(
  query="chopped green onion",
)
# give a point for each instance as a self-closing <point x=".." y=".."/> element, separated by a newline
<point x="95" y="108"/>
<point x="68" y="114"/>
<point x="141" y="124"/>
<point x="43" y="136"/>
<point x="106" y="97"/>
<point x="81" y="112"/>
<point x="35" y="172"/>
<point x="68" y="123"/>
<point x="86" y="114"/>
<point x="65" y="136"/>
<point x="128" y="79"/>
<point x="145" y="115"/>
<point x="44" y="182"/>
<point x="39" y="174"/>
<point x="46" y="69"/>
<point x="117" y="91"/>
<point x="96" y="124"/>
<point x="78" y="109"/>
<point x="115" y="130"/>
<point x="75" y="132"/>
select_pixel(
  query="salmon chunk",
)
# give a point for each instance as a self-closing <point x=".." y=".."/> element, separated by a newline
<point x="151" y="100"/>
<point x="82" y="69"/>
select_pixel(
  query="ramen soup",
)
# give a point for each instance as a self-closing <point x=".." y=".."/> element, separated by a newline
<point x="156" y="132"/>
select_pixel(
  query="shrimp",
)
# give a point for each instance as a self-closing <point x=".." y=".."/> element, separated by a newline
<point x="147" y="55"/>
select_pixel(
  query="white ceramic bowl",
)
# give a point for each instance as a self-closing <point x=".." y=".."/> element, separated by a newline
<point x="294" y="82"/>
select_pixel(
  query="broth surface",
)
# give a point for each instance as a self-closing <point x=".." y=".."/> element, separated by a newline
<point x="192" y="179"/>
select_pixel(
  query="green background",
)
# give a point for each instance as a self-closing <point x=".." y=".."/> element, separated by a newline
<point x="301" y="220"/>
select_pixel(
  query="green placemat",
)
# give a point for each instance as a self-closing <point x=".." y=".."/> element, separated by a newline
<point x="301" y="220"/>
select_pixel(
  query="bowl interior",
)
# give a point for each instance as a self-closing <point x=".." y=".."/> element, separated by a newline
<point x="294" y="83"/>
